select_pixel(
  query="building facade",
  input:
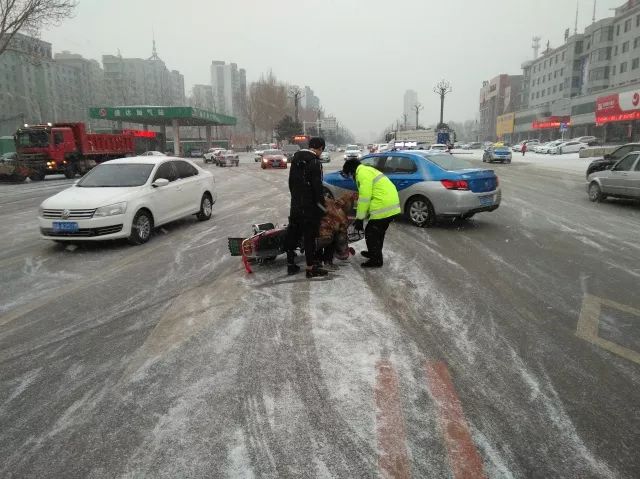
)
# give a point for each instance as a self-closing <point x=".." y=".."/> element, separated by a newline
<point x="498" y="96"/>
<point x="582" y="86"/>
<point x="409" y="102"/>
<point x="311" y="101"/>
<point x="229" y="85"/>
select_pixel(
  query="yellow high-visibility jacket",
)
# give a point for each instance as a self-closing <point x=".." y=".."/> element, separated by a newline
<point x="377" y="196"/>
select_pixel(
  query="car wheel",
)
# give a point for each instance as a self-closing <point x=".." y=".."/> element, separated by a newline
<point x="595" y="193"/>
<point x="560" y="151"/>
<point x="420" y="211"/>
<point x="206" y="208"/>
<point x="70" y="171"/>
<point x="37" y="176"/>
<point x="141" y="228"/>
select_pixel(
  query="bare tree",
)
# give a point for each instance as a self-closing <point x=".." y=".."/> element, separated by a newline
<point x="30" y="16"/>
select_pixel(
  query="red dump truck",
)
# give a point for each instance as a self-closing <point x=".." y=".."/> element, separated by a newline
<point x="67" y="148"/>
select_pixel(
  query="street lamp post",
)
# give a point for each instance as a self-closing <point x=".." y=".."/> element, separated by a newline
<point x="441" y="89"/>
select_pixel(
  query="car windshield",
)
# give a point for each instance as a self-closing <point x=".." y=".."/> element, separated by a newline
<point x="450" y="162"/>
<point x="352" y="147"/>
<point x="33" y="139"/>
<point x="273" y="152"/>
<point x="112" y="175"/>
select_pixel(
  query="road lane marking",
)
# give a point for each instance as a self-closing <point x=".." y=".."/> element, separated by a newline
<point x="464" y="458"/>
<point x="588" y="325"/>
<point x="393" y="459"/>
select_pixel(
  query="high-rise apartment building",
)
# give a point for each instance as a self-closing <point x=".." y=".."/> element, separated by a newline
<point x="229" y="86"/>
<point x="311" y="101"/>
<point x="410" y="101"/>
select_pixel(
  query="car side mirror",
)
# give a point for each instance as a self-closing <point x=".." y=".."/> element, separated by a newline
<point x="160" y="182"/>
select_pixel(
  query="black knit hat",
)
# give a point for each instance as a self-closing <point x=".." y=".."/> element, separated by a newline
<point x="350" y="166"/>
<point x="317" y="143"/>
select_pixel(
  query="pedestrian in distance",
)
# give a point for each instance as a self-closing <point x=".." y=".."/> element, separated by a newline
<point x="524" y="148"/>
<point x="307" y="207"/>
<point x="378" y="201"/>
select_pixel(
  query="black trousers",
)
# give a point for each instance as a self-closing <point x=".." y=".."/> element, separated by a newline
<point x="307" y="229"/>
<point x="374" y="234"/>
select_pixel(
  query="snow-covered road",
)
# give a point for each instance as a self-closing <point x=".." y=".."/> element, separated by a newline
<point x="473" y="353"/>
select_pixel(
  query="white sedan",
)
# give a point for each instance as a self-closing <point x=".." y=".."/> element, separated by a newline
<point x="568" y="147"/>
<point x="127" y="198"/>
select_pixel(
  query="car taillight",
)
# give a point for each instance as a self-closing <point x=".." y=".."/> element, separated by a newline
<point x="455" y="184"/>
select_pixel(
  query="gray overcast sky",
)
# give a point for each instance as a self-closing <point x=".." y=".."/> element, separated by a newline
<point x="358" y="55"/>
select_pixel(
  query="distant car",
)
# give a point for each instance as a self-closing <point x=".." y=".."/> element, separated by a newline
<point x="612" y="158"/>
<point x="196" y="153"/>
<point x="472" y="146"/>
<point x="430" y="184"/>
<point x="545" y="148"/>
<point x="352" y="152"/>
<point x="530" y="145"/>
<point x="128" y="198"/>
<point x="273" y="159"/>
<point x="228" y="158"/>
<point x="260" y="150"/>
<point x="290" y="150"/>
<point x="621" y="181"/>
<point x="325" y="157"/>
<point x="497" y="153"/>
<point x="341" y="149"/>
<point x="210" y="156"/>
<point x="589" y="140"/>
<point x="567" y="147"/>
<point x="439" y="147"/>
<point x="153" y="153"/>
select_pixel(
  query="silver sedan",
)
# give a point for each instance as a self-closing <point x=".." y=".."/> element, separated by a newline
<point x="621" y="181"/>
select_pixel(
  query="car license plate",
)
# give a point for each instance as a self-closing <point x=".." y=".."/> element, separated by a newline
<point x="65" y="227"/>
<point x="486" y="200"/>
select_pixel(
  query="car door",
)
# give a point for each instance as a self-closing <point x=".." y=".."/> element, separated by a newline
<point x="616" y="182"/>
<point x="189" y="187"/>
<point x="165" y="198"/>
<point x="633" y="180"/>
<point x="403" y="173"/>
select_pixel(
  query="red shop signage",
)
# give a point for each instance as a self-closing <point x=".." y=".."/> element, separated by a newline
<point x="618" y="107"/>
<point x="551" y="122"/>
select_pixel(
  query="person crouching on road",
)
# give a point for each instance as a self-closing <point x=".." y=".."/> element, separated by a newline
<point x="378" y="200"/>
<point x="333" y="239"/>
<point x="307" y="206"/>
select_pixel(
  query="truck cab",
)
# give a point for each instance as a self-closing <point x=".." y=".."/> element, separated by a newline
<point x="45" y="149"/>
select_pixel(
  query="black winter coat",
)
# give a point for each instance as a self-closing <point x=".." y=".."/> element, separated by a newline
<point x="305" y="185"/>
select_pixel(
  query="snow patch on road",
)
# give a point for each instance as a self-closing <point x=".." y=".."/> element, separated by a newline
<point x="25" y="381"/>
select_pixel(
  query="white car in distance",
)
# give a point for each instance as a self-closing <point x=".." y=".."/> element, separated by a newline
<point x="439" y="147"/>
<point x="127" y="198"/>
<point x="352" y="152"/>
<point x="568" y="147"/>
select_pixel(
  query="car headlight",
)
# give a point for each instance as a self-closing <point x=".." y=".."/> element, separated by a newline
<point x="111" y="210"/>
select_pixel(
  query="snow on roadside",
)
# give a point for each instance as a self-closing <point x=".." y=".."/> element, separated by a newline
<point x="568" y="163"/>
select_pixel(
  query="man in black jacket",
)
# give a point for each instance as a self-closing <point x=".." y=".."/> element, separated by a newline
<point x="307" y="206"/>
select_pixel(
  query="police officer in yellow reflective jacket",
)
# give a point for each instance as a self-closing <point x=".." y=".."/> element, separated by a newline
<point x="379" y="202"/>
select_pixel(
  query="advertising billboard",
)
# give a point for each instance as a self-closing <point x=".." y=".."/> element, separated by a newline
<point x="618" y="107"/>
<point x="505" y="124"/>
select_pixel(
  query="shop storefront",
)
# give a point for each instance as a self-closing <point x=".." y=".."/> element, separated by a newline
<point x="551" y="128"/>
<point x="619" y="116"/>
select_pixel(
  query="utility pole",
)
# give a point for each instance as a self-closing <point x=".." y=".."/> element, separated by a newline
<point x="417" y="107"/>
<point x="441" y="89"/>
<point x="296" y="93"/>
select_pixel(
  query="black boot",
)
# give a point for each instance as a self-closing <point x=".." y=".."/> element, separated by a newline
<point x="366" y="254"/>
<point x="292" y="269"/>
<point x="316" y="272"/>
